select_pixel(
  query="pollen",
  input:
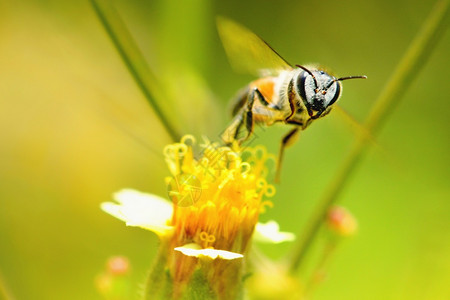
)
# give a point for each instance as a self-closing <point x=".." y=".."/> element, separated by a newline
<point x="217" y="192"/>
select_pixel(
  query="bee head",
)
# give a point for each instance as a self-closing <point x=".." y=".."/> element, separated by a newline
<point x="319" y="90"/>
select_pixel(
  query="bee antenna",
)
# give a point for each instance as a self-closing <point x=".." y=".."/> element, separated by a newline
<point x="310" y="73"/>
<point x="347" y="77"/>
<point x="352" y="77"/>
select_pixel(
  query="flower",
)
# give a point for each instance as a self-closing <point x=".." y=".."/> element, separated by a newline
<point x="270" y="233"/>
<point x="143" y="210"/>
<point x="154" y="213"/>
<point x="216" y="200"/>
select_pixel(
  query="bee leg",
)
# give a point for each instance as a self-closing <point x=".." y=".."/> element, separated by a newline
<point x="243" y="117"/>
<point x="248" y="113"/>
<point x="249" y="122"/>
<point x="230" y="134"/>
<point x="287" y="140"/>
<point x="239" y="101"/>
<point x="238" y="128"/>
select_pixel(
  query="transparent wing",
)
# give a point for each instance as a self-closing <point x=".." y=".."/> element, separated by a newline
<point x="362" y="132"/>
<point x="247" y="52"/>
<point x="356" y="126"/>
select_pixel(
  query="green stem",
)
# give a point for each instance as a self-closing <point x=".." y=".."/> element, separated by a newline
<point x="410" y="65"/>
<point x="317" y="274"/>
<point x="158" y="284"/>
<point x="136" y="64"/>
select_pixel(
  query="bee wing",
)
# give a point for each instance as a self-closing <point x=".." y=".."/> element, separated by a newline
<point x="363" y="132"/>
<point x="247" y="52"/>
<point x="356" y="126"/>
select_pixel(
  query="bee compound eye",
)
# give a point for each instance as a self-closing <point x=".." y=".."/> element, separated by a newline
<point x="333" y="93"/>
<point x="301" y="81"/>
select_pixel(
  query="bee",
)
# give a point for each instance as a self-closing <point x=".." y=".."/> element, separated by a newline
<point x="294" y="95"/>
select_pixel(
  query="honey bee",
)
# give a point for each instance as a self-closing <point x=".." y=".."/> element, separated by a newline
<point x="282" y="94"/>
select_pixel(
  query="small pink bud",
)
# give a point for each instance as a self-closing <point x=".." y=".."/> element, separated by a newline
<point x="341" y="221"/>
<point x="118" y="265"/>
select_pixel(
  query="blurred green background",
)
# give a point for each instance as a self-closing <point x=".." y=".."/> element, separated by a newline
<point x="74" y="128"/>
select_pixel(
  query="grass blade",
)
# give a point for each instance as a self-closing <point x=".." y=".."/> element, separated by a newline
<point x="411" y="63"/>
<point x="136" y="64"/>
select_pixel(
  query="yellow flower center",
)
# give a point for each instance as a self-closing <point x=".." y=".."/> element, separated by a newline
<point x="217" y="194"/>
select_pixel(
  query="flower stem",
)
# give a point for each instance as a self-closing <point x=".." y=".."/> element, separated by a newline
<point x="319" y="273"/>
<point x="411" y="63"/>
<point x="158" y="284"/>
<point x="136" y="64"/>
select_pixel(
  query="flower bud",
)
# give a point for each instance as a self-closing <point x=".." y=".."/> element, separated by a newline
<point x="114" y="281"/>
<point x="341" y="221"/>
<point x="118" y="265"/>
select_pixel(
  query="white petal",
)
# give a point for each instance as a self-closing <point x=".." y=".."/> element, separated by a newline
<point x="142" y="210"/>
<point x="197" y="251"/>
<point x="270" y="233"/>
